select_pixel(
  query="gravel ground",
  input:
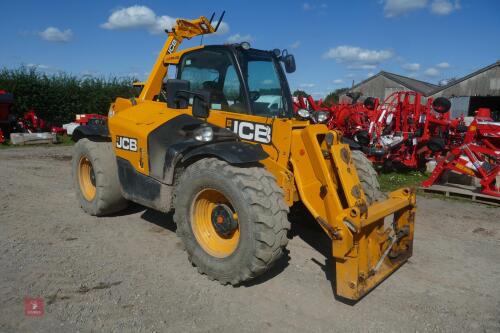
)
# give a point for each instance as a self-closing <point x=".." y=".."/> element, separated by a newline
<point x="130" y="272"/>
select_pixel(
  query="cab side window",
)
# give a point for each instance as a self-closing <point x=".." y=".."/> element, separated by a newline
<point x="213" y="71"/>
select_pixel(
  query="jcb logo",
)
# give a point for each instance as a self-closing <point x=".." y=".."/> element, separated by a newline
<point x="172" y="46"/>
<point x="125" y="143"/>
<point x="256" y="132"/>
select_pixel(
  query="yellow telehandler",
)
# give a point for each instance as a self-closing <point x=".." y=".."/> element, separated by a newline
<point x="221" y="146"/>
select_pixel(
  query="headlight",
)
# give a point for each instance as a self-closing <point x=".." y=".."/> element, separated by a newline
<point x="245" y="45"/>
<point x="303" y="113"/>
<point x="320" y="116"/>
<point x="204" y="134"/>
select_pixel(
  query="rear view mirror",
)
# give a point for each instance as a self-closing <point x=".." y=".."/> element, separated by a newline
<point x="177" y="96"/>
<point x="289" y="61"/>
<point x="201" y="104"/>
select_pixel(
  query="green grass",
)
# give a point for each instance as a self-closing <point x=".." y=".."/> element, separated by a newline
<point x="65" y="140"/>
<point x="392" y="181"/>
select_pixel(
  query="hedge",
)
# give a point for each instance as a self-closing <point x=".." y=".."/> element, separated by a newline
<point x="57" y="98"/>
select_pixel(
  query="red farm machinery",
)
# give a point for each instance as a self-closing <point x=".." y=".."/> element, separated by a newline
<point x="7" y="121"/>
<point x="477" y="156"/>
<point x="408" y="130"/>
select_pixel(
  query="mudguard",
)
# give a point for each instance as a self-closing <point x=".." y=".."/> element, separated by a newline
<point x="233" y="152"/>
<point x="353" y="145"/>
<point x="93" y="131"/>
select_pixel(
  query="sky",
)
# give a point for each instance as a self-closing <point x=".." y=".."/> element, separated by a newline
<point x="335" y="43"/>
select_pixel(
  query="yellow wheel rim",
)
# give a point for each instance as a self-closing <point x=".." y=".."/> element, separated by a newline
<point x="86" y="178"/>
<point x="203" y="223"/>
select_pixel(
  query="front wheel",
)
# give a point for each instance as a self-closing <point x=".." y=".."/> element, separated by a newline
<point x="232" y="220"/>
<point x="367" y="177"/>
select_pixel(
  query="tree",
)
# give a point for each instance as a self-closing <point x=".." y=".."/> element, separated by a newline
<point x="334" y="96"/>
<point x="300" y="93"/>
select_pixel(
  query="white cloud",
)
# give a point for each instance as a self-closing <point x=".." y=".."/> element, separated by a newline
<point x="393" y="8"/>
<point x="358" y="56"/>
<point x="361" y="66"/>
<point x="135" y="17"/>
<point x="370" y="74"/>
<point x="307" y="85"/>
<point x="444" y="7"/>
<point x="295" y="44"/>
<point x="443" y="65"/>
<point x="351" y="75"/>
<point x="411" y="67"/>
<point x="237" y="38"/>
<point x="338" y="81"/>
<point x="432" y="72"/>
<point x="39" y="66"/>
<point x="307" y="6"/>
<point x="53" y="34"/>
<point x="223" y="28"/>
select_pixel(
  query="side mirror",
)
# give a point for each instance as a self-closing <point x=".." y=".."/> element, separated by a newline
<point x="177" y="97"/>
<point x="201" y="104"/>
<point x="289" y="61"/>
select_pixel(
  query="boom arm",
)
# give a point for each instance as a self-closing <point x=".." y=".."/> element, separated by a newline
<point x="184" y="29"/>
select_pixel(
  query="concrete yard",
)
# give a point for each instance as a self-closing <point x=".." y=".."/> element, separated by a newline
<point x="130" y="272"/>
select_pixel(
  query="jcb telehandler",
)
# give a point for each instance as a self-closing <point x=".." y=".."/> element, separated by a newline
<point x="221" y="146"/>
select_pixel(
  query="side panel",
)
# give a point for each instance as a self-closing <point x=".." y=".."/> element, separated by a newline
<point x="136" y="123"/>
<point x="166" y="141"/>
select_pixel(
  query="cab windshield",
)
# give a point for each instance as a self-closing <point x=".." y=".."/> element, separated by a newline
<point x="264" y="91"/>
<point x="265" y="87"/>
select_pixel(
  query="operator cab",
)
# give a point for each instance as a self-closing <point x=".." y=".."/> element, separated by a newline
<point x="239" y="79"/>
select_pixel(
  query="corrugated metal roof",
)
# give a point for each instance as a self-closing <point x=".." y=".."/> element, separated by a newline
<point x="425" y="88"/>
<point x="422" y="87"/>
<point x="479" y="71"/>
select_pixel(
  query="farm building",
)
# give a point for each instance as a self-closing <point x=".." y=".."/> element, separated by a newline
<point x="478" y="89"/>
<point x="473" y="91"/>
<point x="384" y="84"/>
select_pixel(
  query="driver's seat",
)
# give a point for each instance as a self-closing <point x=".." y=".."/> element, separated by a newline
<point x="216" y="94"/>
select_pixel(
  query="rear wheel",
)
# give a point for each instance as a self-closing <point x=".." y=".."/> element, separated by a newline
<point x="367" y="177"/>
<point x="232" y="220"/>
<point x="95" y="177"/>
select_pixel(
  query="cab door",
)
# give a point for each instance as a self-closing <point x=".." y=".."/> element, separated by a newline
<point x="248" y="114"/>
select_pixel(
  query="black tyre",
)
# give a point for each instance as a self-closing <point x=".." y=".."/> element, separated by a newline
<point x="363" y="137"/>
<point x="95" y="177"/>
<point x="370" y="103"/>
<point x="436" y="144"/>
<point x="441" y="105"/>
<point x="232" y="220"/>
<point x="368" y="177"/>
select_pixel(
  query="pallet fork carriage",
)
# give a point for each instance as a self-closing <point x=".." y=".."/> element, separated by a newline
<point x="230" y="159"/>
